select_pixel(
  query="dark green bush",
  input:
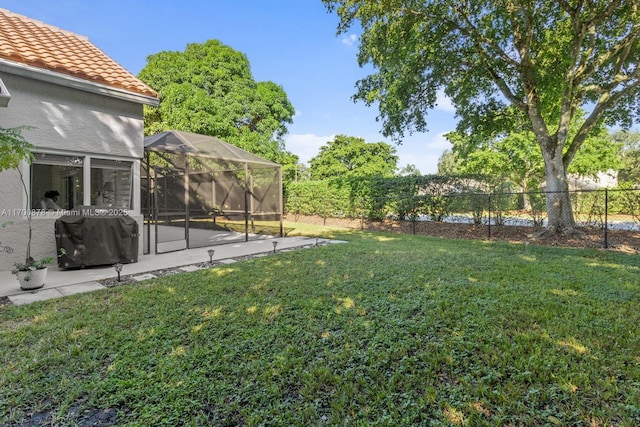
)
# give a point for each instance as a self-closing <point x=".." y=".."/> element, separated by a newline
<point x="434" y="196"/>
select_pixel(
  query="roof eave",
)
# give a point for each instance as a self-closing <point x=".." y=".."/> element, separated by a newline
<point x="53" y="77"/>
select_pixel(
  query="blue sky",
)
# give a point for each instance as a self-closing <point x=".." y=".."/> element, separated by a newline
<point x="290" y="42"/>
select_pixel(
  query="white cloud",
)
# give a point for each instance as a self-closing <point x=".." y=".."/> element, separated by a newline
<point x="418" y="150"/>
<point x="443" y="102"/>
<point x="423" y="152"/>
<point x="350" y="40"/>
<point x="306" y="145"/>
<point x="439" y="142"/>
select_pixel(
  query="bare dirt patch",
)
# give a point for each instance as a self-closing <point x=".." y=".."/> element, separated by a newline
<point x="621" y="240"/>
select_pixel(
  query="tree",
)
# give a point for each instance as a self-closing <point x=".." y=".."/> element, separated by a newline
<point x="506" y="62"/>
<point x="630" y="169"/>
<point x="350" y="156"/>
<point x="599" y="153"/>
<point x="300" y="172"/>
<point x="517" y="157"/>
<point x="409" y="170"/>
<point x="209" y="89"/>
<point x="514" y="158"/>
<point x="290" y="167"/>
<point x="449" y="163"/>
<point x="15" y="149"/>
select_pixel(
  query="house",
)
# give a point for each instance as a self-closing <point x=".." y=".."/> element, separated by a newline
<point x="606" y="179"/>
<point x="85" y="117"/>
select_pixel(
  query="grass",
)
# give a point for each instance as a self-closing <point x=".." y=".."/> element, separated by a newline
<point x="273" y="227"/>
<point x="392" y="330"/>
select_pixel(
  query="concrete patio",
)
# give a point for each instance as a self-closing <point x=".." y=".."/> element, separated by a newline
<point x="62" y="282"/>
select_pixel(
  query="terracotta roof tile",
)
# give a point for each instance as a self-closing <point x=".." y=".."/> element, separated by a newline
<point x="37" y="44"/>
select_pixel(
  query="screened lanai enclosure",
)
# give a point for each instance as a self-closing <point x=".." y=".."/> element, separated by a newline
<point x="199" y="191"/>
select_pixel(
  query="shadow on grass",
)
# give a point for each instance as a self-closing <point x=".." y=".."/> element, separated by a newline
<point x="410" y="329"/>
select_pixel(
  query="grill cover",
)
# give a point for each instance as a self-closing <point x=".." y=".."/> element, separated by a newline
<point x="92" y="236"/>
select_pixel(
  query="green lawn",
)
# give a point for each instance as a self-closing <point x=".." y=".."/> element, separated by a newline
<point x="273" y="228"/>
<point x="385" y="330"/>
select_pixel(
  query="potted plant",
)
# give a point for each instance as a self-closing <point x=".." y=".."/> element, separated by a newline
<point x="32" y="274"/>
<point x="14" y="149"/>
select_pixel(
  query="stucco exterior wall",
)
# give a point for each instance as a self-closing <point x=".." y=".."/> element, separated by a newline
<point x="65" y="120"/>
<point x="73" y="120"/>
<point x="15" y="231"/>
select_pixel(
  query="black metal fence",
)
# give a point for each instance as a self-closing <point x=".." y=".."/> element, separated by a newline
<point x="598" y="209"/>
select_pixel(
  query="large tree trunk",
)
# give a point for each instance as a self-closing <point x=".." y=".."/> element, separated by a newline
<point x="559" y="212"/>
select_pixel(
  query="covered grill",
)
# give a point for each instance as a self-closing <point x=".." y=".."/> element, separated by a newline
<point x="89" y="236"/>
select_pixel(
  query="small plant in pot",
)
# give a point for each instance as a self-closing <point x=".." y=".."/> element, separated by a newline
<point x="32" y="274"/>
<point x="13" y="150"/>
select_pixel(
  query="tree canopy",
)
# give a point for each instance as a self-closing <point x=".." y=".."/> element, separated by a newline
<point x="630" y="169"/>
<point x="503" y="63"/>
<point x="349" y="156"/>
<point x="209" y="89"/>
<point x="409" y="170"/>
<point x="449" y="163"/>
<point x="516" y="156"/>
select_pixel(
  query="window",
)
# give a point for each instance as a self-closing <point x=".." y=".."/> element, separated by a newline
<point x="5" y="96"/>
<point x="56" y="181"/>
<point x="111" y="183"/>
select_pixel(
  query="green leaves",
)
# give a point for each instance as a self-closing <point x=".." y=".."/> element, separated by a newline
<point x="376" y="197"/>
<point x="209" y="89"/>
<point x="630" y="168"/>
<point x="507" y="66"/>
<point x="348" y="156"/>
<point x="14" y="148"/>
<point x="385" y="329"/>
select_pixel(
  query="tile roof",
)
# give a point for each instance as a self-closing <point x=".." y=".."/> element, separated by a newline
<point x="37" y="44"/>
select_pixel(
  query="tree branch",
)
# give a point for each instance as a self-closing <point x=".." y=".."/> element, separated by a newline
<point x="606" y="101"/>
<point x="478" y="41"/>
<point x="570" y="98"/>
<point x="522" y="37"/>
<point x="618" y="49"/>
<point x="573" y="94"/>
<point x="501" y="83"/>
<point x="479" y="38"/>
<point x="600" y="17"/>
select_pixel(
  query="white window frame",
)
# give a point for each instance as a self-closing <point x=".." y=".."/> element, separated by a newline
<point x="86" y="177"/>
<point x="5" y="96"/>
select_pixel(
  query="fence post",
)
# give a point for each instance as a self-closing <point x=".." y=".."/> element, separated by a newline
<point x="324" y="211"/>
<point x="606" y="218"/>
<point x="362" y="214"/>
<point x="489" y="217"/>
